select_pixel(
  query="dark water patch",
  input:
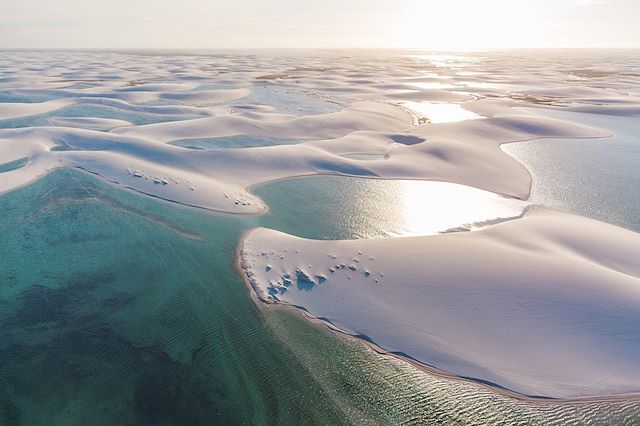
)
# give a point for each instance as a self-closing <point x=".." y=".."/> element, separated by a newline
<point x="62" y="148"/>
<point x="13" y="165"/>
<point x="9" y="412"/>
<point x="407" y="139"/>
<point x="44" y="304"/>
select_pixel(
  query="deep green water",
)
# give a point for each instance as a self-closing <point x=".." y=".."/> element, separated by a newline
<point x="116" y="308"/>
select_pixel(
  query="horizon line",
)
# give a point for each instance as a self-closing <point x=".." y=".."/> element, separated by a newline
<point x="329" y="48"/>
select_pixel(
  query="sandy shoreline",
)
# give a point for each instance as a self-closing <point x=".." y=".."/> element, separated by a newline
<point x="567" y="251"/>
<point x="261" y="304"/>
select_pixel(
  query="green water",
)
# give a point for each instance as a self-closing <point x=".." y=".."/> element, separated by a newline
<point x="13" y="165"/>
<point x="339" y="207"/>
<point x="116" y="308"/>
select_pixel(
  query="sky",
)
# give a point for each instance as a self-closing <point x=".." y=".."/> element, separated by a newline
<point x="448" y="24"/>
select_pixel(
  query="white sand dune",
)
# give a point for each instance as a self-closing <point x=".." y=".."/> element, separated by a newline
<point x="360" y="116"/>
<point x="90" y="123"/>
<point x="462" y="152"/>
<point x="18" y="110"/>
<point x="547" y="305"/>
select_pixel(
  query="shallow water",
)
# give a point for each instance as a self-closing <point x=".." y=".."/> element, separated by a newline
<point x="348" y="208"/>
<point x="8" y="96"/>
<point x="93" y="111"/>
<point x="289" y="101"/>
<point x="119" y="309"/>
<point x="13" y="165"/>
<point x="597" y="178"/>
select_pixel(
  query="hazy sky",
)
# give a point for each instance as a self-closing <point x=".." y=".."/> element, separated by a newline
<point x="319" y="23"/>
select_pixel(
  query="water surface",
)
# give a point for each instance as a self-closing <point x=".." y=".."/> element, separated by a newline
<point x="597" y="178"/>
<point x="118" y="309"/>
<point x="289" y="101"/>
<point x="13" y="165"/>
<point x="336" y="207"/>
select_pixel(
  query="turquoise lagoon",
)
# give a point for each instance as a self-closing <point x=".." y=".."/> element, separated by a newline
<point x="116" y="308"/>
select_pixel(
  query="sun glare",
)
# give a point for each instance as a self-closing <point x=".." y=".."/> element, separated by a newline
<point x="465" y="24"/>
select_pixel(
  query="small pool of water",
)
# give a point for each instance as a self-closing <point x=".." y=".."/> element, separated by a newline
<point x="13" y="165"/>
<point x="230" y="142"/>
<point x="337" y="207"/>
<point x="289" y="101"/>
<point x="11" y="97"/>
<point x="597" y="178"/>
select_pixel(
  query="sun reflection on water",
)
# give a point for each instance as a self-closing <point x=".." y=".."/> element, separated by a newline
<point x="431" y="207"/>
<point x="434" y="112"/>
<point x="338" y="207"/>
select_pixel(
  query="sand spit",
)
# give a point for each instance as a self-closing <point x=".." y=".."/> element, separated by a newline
<point x="18" y="110"/>
<point x="546" y="305"/>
